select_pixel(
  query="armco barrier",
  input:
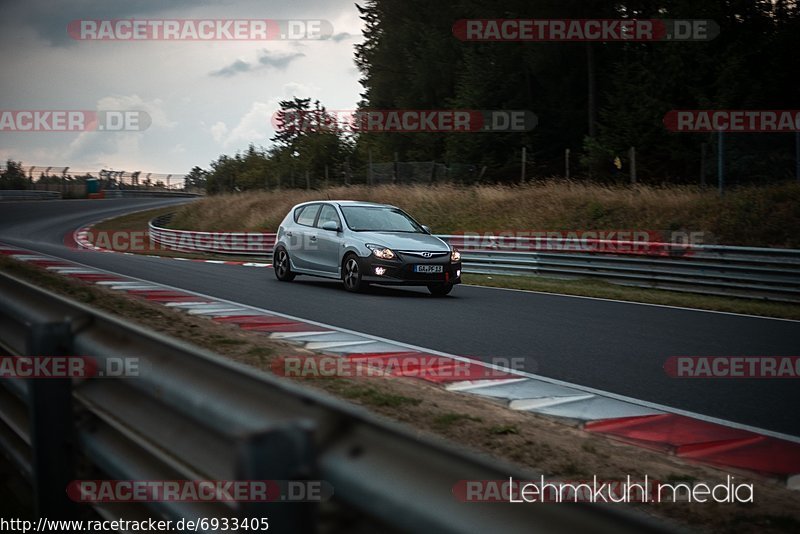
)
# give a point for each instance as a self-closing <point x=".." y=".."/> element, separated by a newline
<point x="761" y="273"/>
<point x="191" y="414"/>
<point x="145" y="193"/>
<point x="22" y="194"/>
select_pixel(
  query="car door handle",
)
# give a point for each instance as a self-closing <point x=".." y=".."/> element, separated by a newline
<point x="288" y="234"/>
<point x="312" y="238"/>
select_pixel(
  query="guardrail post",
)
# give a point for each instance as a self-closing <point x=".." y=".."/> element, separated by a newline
<point x="721" y="162"/>
<point x="282" y="453"/>
<point x="51" y="425"/>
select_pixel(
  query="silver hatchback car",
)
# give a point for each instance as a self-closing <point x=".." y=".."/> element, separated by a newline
<point x="362" y="243"/>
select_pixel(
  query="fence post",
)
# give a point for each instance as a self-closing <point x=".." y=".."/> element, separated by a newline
<point x="396" y="178"/>
<point x="308" y="181"/>
<point x="51" y="425"/>
<point x="566" y="162"/>
<point x="369" y="169"/>
<point x="703" y="148"/>
<point x="524" y="158"/>
<point x="721" y="162"/>
<point x="797" y="155"/>
<point x="277" y="455"/>
<point x="632" y="156"/>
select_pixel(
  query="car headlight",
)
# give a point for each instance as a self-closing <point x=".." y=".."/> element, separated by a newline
<point x="382" y="252"/>
<point x="455" y="256"/>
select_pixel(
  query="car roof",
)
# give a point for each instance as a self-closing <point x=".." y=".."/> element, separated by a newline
<point x="347" y="203"/>
<point x="361" y="203"/>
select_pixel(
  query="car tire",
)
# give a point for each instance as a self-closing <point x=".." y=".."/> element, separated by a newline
<point x="351" y="275"/>
<point x="282" y="266"/>
<point x="440" y="290"/>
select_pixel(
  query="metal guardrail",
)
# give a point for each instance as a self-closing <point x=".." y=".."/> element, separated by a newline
<point x="760" y="273"/>
<point x="191" y="415"/>
<point x="236" y="243"/>
<point x="144" y="193"/>
<point x="22" y="194"/>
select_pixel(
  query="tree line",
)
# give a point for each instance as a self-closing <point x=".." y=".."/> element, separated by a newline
<point x="596" y="99"/>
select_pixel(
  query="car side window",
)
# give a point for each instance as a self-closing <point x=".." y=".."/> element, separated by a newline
<point x="307" y="215"/>
<point x="328" y="213"/>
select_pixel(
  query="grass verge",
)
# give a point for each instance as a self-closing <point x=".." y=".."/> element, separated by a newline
<point x="137" y="224"/>
<point x="750" y="216"/>
<point x="556" y="449"/>
<point x="606" y="290"/>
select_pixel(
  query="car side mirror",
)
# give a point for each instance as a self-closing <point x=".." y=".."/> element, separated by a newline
<point x="426" y="228"/>
<point x="330" y="226"/>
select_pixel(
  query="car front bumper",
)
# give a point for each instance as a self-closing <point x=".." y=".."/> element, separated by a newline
<point x="401" y="272"/>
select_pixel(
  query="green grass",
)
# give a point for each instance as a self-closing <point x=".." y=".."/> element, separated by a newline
<point x="449" y="419"/>
<point x="503" y="430"/>
<point x="375" y="397"/>
<point x="133" y="221"/>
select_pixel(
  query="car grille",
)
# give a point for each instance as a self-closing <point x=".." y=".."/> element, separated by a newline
<point x="423" y="254"/>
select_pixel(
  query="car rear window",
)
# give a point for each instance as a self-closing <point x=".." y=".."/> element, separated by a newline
<point x="306" y="215"/>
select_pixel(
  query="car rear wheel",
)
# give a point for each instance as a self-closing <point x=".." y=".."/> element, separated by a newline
<point x="440" y="290"/>
<point x="351" y="275"/>
<point x="282" y="266"/>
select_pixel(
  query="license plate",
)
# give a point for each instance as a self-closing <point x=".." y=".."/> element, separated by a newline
<point x="428" y="268"/>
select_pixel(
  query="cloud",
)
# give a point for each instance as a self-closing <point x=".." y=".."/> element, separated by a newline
<point x="97" y="145"/>
<point x="341" y="36"/>
<point x="256" y="126"/>
<point x="50" y="19"/>
<point x="253" y="127"/>
<point x="278" y="60"/>
<point x="267" y="60"/>
<point x="234" y="68"/>
<point x="219" y="131"/>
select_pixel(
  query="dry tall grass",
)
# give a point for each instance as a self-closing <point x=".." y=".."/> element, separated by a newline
<point x="766" y="216"/>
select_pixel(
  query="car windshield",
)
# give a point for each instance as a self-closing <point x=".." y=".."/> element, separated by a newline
<point x="379" y="219"/>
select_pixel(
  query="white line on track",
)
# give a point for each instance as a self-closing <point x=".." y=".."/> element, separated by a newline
<point x="683" y="308"/>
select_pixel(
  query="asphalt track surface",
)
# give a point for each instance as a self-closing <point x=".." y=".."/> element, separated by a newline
<point x="612" y="346"/>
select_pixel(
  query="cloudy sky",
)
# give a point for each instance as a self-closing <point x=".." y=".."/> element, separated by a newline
<point x="204" y="98"/>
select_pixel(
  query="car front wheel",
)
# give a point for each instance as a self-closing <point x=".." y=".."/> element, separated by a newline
<point x="440" y="290"/>
<point x="351" y="275"/>
<point x="282" y="266"/>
